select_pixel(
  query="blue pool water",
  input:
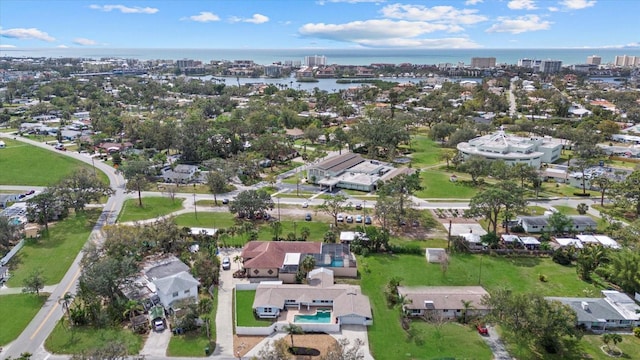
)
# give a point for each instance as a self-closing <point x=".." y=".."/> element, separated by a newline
<point x="337" y="263"/>
<point x="320" y="317"/>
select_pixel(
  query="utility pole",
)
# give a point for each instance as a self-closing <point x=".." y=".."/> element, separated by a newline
<point x="195" y="208"/>
<point x="449" y="238"/>
<point x="278" y="209"/>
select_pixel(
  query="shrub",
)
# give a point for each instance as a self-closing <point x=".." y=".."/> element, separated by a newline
<point x="517" y="229"/>
<point x="636" y="332"/>
<point x="542" y="277"/>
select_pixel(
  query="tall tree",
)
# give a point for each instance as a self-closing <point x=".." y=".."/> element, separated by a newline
<point x="82" y="188"/>
<point x="9" y="232"/>
<point x="334" y="205"/>
<point x="138" y="174"/>
<point x="251" y="203"/>
<point x="505" y="197"/>
<point x="293" y="329"/>
<point x="45" y="207"/>
<point x="476" y="166"/>
<point x="308" y="263"/>
<point x="217" y="184"/>
<point x="34" y="282"/>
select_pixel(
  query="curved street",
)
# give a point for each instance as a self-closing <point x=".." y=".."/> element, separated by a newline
<point x="33" y="337"/>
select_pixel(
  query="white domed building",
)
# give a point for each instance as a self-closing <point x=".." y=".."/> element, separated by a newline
<point x="513" y="149"/>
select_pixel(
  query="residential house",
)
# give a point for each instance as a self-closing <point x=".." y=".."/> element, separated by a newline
<point x="281" y="259"/>
<point x="346" y="302"/>
<point x="164" y="280"/>
<point x="443" y="302"/>
<point x="181" y="174"/>
<point x="614" y="311"/>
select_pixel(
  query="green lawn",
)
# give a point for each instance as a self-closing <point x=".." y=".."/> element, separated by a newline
<point x="194" y="343"/>
<point x="187" y="189"/>
<point x="23" y="164"/>
<point x="16" y="312"/>
<point x="53" y="254"/>
<point x="244" y="310"/>
<point x="518" y="274"/>
<point x="152" y="207"/>
<point x="630" y="346"/>
<point x="317" y="229"/>
<point x="81" y="339"/>
<point x="425" y="152"/>
<point x="206" y="219"/>
<point x="436" y="184"/>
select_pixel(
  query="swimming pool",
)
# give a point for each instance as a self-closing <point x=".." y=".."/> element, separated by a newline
<point x="320" y="317"/>
<point x="337" y="263"/>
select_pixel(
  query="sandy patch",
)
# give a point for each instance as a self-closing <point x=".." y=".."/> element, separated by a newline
<point x="322" y="342"/>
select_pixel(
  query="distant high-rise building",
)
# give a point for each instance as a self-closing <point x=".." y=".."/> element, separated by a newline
<point x="627" y="61"/>
<point x="273" y="70"/>
<point x="293" y="63"/>
<point x="185" y="63"/>
<point x="315" y="60"/>
<point x="550" y="66"/>
<point x="483" y="63"/>
<point x="594" y="60"/>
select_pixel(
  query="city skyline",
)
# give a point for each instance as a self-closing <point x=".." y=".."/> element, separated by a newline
<point x="320" y="24"/>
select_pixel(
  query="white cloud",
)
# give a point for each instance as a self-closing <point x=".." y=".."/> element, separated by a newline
<point x="522" y="5"/>
<point x="24" y="34"/>
<point x="439" y="14"/>
<point x="520" y="24"/>
<point x="473" y="2"/>
<point x="84" y="41"/>
<point x="577" y="4"/>
<point x="553" y="9"/>
<point x="385" y="33"/>
<point x="62" y="47"/>
<point x="125" y="9"/>
<point x="255" y="19"/>
<point x="3" y="46"/>
<point x="204" y="16"/>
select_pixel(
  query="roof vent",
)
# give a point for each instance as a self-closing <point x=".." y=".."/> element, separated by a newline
<point x="585" y="305"/>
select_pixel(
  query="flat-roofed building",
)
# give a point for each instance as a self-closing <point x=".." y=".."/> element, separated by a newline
<point x="483" y="62"/>
<point x="513" y="149"/>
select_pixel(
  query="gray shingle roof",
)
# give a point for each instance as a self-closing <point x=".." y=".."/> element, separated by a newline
<point x="598" y="309"/>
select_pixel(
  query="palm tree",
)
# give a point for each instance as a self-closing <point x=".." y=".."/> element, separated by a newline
<point x="304" y="233"/>
<point x="293" y="329"/>
<point x="65" y="300"/>
<point x="237" y="259"/>
<point x="466" y="306"/>
<point x="308" y="263"/>
<point x="132" y="307"/>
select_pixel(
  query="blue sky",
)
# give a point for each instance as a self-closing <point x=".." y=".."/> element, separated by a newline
<point x="323" y="24"/>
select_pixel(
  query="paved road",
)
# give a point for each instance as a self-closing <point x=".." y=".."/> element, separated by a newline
<point x="34" y="335"/>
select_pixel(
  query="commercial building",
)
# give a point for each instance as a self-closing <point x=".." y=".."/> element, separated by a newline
<point x="352" y="171"/>
<point x="315" y="60"/>
<point x="513" y="149"/>
<point x="594" y="60"/>
<point x="483" y="63"/>
<point x="626" y="61"/>
<point x="550" y="66"/>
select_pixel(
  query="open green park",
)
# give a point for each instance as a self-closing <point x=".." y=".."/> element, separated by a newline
<point x="53" y="253"/>
<point x="152" y="207"/>
<point x="17" y="311"/>
<point x="24" y="164"/>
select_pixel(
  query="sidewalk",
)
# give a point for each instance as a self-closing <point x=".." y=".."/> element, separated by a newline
<point x="4" y="290"/>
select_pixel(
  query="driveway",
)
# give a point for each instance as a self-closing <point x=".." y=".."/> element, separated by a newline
<point x="496" y="345"/>
<point x="157" y="343"/>
<point x="224" y="315"/>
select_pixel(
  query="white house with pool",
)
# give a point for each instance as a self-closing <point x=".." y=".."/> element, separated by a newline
<point x="318" y="302"/>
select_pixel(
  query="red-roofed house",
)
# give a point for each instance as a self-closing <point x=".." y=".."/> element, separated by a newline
<point x="281" y="259"/>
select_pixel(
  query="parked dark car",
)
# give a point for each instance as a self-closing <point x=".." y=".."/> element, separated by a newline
<point x="225" y="201"/>
<point x="367" y="220"/>
<point x="307" y="217"/>
<point x="358" y="206"/>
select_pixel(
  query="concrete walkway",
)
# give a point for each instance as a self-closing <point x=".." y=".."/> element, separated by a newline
<point x="4" y="290"/>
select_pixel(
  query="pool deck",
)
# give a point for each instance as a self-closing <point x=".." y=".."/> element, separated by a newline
<point x="289" y="315"/>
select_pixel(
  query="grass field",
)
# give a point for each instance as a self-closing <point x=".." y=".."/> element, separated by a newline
<point x="53" y="254"/>
<point x="81" y="339"/>
<point x="194" y="343"/>
<point x="518" y="274"/>
<point x="425" y="152"/>
<point x="16" y="312"/>
<point x="206" y="219"/>
<point x="244" y="312"/>
<point x="152" y="207"/>
<point x="436" y="184"/>
<point x="24" y="164"/>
